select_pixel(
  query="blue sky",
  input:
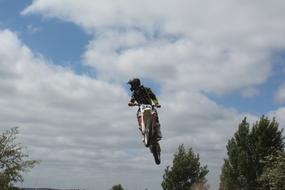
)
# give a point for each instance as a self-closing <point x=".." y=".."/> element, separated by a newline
<point x="260" y="104"/>
<point x="61" y="42"/>
<point x="64" y="70"/>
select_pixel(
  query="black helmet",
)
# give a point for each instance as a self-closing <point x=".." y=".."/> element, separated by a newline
<point x="135" y="83"/>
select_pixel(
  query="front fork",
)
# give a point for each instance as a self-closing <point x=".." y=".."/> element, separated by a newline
<point x="155" y="121"/>
<point x="155" y="147"/>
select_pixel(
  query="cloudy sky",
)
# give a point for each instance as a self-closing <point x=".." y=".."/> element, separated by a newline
<point x="64" y="66"/>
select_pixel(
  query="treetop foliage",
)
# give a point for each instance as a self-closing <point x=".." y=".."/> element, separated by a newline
<point x="186" y="172"/>
<point x="13" y="162"/>
<point x="248" y="152"/>
<point x="117" y="187"/>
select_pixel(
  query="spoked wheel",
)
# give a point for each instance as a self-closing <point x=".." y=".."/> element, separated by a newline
<point x="146" y="137"/>
<point x="155" y="149"/>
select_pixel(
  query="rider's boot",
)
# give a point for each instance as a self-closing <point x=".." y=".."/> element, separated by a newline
<point x="158" y="132"/>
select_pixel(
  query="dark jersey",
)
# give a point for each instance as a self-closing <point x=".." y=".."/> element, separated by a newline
<point x="143" y="95"/>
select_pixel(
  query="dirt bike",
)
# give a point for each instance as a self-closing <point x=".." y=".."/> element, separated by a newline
<point x="147" y="121"/>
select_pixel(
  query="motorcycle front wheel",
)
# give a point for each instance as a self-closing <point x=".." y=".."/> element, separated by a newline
<point x="148" y="129"/>
<point x="155" y="149"/>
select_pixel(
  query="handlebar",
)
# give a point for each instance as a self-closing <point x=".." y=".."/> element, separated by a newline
<point x="137" y="104"/>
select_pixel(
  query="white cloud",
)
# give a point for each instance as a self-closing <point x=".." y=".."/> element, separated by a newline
<point x="63" y="118"/>
<point x="187" y="47"/>
<point x="81" y="125"/>
<point x="280" y="94"/>
<point x="214" y="43"/>
<point x="279" y="115"/>
<point x="178" y="65"/>
<point x="255" y="24"/>
<point x="96" y="14"/>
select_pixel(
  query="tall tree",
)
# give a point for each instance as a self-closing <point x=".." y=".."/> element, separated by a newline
<point x="12" y="160"/>
<point x="186" y="172"/>
<point x="117" y="187"/>
<point x="237" y="170"/>
<point x="266" y="140"/>
<point x="273" y="176"/>
<point x="247" y="152"/>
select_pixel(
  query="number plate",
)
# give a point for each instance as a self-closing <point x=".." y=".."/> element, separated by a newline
<point x="145" y="106"/>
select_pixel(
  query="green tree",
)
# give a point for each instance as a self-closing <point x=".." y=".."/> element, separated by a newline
<point x="247" y="152"/>
<point x="117" y="187"/>
<point x="237" y="170"/>
<point x="186" y="172"/>
<point x="12" y="160"/>
<point x="266" y="140"/>
<point x="273" y="176"/>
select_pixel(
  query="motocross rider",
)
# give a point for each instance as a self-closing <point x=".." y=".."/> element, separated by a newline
<point x="144" y="95"/>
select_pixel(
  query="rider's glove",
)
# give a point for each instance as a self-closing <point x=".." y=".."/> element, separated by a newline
<point x="131" y="104"/>
<point x="158" y="105"/>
